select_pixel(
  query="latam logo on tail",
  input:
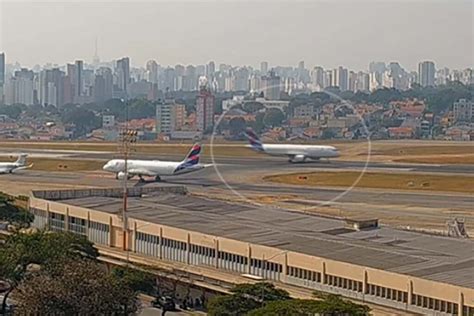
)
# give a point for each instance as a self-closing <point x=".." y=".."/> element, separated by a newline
<point x="294" y="152"/>
<point x="192" y="159"/>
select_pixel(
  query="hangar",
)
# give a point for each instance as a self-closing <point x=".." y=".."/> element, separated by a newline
<point x="361" y="260"/>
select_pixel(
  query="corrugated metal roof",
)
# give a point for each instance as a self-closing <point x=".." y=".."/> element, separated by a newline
<point x="436" y="258"/>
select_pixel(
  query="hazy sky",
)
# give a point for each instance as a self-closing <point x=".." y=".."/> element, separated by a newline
<point x="327" y="33"/>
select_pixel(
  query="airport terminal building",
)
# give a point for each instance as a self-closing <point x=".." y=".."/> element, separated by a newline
<point x="357" y="259"/>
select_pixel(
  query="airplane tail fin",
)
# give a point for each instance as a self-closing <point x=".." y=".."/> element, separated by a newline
<point x="253" y="140"/>
<point x="192" y="158"/>
<point x="21" y="160"/>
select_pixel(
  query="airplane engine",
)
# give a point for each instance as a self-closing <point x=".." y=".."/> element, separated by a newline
<point x="121" y="175"/>
<point x="298" y="158"/>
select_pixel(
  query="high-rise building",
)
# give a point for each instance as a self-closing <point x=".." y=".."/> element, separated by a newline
<point x="123" y="74"/>
<point x="301" y="65"/>
<point x="170" y="116"/>
<point x="327" y="78"/>
<point x="210" y="70"/>
<point x="229" y="82"/>
<point x="264" y="67"/>
<point x="426" y="73"/>
<point x="302" y="74"/>
<point x="2" y="77"/>
<point x="442" y="76"/>
<point x="103" y="85"/>
<point x="169" y="76"/>
<point x="352" y="81"/>
<point x="242" y="79"/>
<point x="395" y="77"/>
<point x="317" y="78"/>
<point x="51" y="87"/>
<point x="190" y="79"/>
<point x="164" y="117"/>
<point x="377" y="67"/>
<point x="2" y="68"/>
<point x="463" y="110"/>
<point x="362" y="82"/>
<point x="271" y="86"/>
<point x="375" y="81"/>
<point x="340" y="78"/>
<point x="255" y="83"/>
<point x="289" y="85"/>
<point x="78" y="78"/>
<point x="20" y="88"/>
<point x="204" y="107"/>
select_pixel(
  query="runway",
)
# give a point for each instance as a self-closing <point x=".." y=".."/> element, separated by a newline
<point x="247" y="163"/>
<point x="243" y="174"/>
<point x="207" y="179"/>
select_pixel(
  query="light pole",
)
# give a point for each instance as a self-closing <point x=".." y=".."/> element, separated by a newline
<point x="128" y="138"/>
<point x="264" y="268"/>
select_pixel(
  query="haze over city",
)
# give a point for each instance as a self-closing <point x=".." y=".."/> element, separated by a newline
<point x="206" y="157"/>
<point x="240" y="32"/>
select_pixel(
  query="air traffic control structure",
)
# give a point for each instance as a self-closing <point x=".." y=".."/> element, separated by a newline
<point x="232" y="243"/>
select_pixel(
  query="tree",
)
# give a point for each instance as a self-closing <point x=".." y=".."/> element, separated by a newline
<point x="13" y="111"/>
<point x="75" y="287"/>
<point x="263" y="299"/>
<point x="261" y="291"/>
<point x="236" y="125"/>
<point x="13" y="214"/>
<point x="233" y="305"/>
<point x="244" y="298"/>
<point x="252" y="107"/>
<point x="258" y="125"/>
<point x="332" y="305"/>
<point x="139" y="281"/>
<point x="273" y="117"/>
<point x="328" y="134"/>
<point x="84" y="120"/>
<point x="21" y="250"/>
<point x="140" y="109"/>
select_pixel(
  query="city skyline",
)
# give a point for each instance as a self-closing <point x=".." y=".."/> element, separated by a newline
<point x="256" y="66"/>
<point x="295" y="32"/>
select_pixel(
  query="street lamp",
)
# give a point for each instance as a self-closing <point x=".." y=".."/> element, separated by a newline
<point x="264" y="261"/>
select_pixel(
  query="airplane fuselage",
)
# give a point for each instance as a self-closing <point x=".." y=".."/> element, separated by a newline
<point x="149" y="167"/>
<point x="300" y="151"/>
<point x="9" y="167"/>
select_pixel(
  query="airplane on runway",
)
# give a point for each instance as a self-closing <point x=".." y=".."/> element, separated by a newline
<point x="11" y="167"/>
<point x="156" y="168"/>
<point x="295" y="153"/>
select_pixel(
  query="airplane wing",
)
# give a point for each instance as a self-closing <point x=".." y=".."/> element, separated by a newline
<point x="142" y="172"/>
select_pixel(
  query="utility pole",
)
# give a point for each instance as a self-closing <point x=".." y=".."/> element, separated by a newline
<point x="128" y="138"/>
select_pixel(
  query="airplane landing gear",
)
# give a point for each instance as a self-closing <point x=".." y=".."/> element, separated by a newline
<point x="141" y="178"/>
<point x="157" y="179"/>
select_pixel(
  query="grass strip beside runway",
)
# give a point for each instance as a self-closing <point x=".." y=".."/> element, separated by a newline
<point x="397" y="181"/>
